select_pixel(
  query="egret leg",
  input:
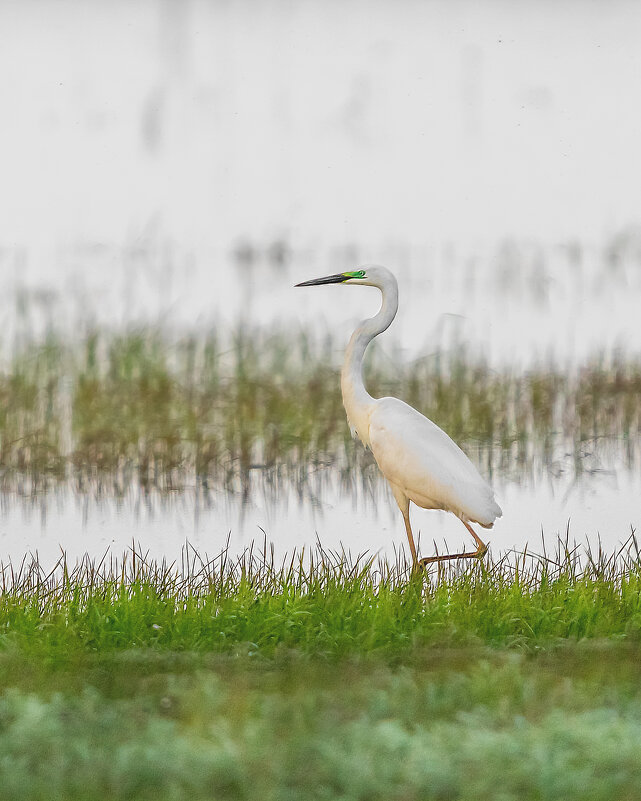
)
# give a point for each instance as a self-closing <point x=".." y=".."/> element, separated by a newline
<point x="478" y="553"/>
<point x="404" y="505"/>
<point x="410" y="537"/>
<point x="482" y="547"/>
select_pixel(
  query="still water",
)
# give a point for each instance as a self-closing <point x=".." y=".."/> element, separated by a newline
<point x="601" y="507"/>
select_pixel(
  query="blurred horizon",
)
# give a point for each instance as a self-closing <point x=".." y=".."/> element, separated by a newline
<point x="218" y="123"/>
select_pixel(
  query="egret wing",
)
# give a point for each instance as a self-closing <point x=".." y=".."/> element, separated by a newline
<point x="418" y="457"/>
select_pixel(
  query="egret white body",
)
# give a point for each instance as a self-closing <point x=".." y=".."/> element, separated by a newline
<point x="420" y="461"/>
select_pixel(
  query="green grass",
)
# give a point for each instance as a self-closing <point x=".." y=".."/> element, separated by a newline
<point x="322" y="678"/>
<point x="321" y="605"/>
<point x="222" y="410"/>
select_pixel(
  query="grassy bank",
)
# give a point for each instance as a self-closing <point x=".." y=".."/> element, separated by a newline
<point x="238" y="680"/>
<point x="321" y="605"/>
<point x="221" y="410"/>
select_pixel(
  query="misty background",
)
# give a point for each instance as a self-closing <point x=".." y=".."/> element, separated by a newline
<point x="149" y="148"/>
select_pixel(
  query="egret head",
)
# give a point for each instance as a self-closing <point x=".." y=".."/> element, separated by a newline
<point x="366" y="275"/>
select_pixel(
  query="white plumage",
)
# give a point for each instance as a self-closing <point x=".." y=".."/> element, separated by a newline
<point x="420" y="461"/>
<point x="419" y="458"/>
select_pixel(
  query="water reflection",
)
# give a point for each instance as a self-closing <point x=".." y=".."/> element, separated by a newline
<point x="598" y="506"/>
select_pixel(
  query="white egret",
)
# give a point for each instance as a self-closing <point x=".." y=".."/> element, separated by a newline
<point x="420" y="461"/>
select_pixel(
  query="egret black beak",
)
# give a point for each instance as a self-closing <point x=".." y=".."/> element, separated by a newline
<point x="329" y="279"/>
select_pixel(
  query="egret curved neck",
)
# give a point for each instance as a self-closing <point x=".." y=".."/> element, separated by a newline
<point x="356" y="398"/>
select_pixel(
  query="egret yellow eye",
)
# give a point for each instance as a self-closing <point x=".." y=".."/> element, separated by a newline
<point x="356" y="274"/>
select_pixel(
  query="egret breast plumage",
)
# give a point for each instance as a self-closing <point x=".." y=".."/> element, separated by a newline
<point x="420" y="461"/>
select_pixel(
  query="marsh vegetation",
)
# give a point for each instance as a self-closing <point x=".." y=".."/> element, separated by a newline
<point x="222" y="409"/>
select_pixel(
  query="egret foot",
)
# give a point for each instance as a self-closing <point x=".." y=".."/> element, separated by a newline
<point x="479" y="553"/>
<point x="428" y="560"/>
